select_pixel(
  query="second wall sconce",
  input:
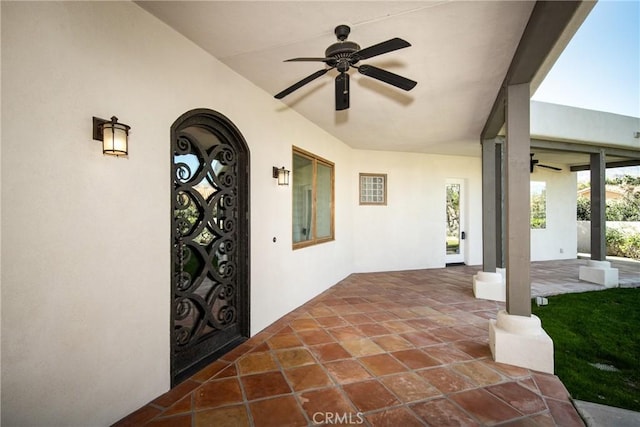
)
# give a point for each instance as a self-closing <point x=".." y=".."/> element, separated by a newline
<point x="114" y="136"/>
<point x="282" y="175"/>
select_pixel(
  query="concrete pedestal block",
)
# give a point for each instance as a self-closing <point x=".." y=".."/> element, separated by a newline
<point x="489" y="286"/>
<point x="599" y="272"/>
<point x="521" y="341"/>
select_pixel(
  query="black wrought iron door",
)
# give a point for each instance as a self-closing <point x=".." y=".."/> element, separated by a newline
<point x="210" y="235"/>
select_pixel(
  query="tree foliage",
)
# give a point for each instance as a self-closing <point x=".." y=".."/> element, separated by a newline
<point x="584" y="209"/>
<point x="453" y="209"/>
<point x="539" y="210"/>
<point x="626" y="208"/>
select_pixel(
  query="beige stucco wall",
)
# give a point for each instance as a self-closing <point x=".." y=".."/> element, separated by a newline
<point x="85" y="238"/>
<point x="410" y="233"/>
<point x="0" y="235"/>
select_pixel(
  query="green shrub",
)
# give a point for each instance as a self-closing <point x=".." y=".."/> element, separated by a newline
<point x="626" y="208"/>
<point x="583" y="209"/>
<point x="632" y="246"/>
<point x="623" y="245"/>
<point x="615" y="240"/>
<point x="537" y="223"/>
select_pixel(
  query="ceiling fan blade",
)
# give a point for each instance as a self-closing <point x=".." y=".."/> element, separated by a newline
<point x="342" y="91"/>
<point x="308" y="60"/>
<point x="550" y="167"/>
<point x="380" y="48"/>
<point x="387" y="77"/>
<point x="301" y="83"/>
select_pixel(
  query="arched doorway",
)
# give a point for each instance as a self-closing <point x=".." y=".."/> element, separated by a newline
<point x="210" y="240"/>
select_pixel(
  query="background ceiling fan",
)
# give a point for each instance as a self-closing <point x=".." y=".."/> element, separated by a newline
<point x="346" y="54"/>
<point x="535" y="162"/>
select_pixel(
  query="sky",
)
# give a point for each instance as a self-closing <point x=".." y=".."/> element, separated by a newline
<point x="600" y="67"/>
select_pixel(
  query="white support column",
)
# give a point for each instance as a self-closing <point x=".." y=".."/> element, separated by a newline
<point x="516" y="336"/>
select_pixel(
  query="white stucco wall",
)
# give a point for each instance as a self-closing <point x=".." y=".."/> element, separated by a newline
<point x="85" y="238"/>
<point x="559" y="239"/>
<point x="0" y="235"/>
<point x="409" y="232"/>
<point x="563" y="123"/>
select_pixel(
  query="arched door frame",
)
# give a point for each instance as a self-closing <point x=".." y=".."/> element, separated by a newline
<point x="228" y="134"/>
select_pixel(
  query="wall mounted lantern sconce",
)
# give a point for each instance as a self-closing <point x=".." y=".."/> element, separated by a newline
<point x="114" y="136"/>
<point x="282" y="175"/>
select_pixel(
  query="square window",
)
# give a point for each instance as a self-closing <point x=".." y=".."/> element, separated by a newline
<point x="373" y="189"/>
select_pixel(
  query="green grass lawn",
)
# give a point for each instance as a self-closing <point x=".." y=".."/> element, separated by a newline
<point x="592" y="329"/>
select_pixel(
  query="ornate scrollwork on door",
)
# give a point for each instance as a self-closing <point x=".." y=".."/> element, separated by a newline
<point x="209" y="253"/>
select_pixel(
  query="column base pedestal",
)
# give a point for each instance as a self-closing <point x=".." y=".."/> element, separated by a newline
<point x="490" y="286"/>
<point x="521" y="341"/>
<point x="599" y="272"/>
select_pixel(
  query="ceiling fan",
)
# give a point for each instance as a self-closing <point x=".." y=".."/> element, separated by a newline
<point x="346" y="54"/>
<point x="534" y="162"/>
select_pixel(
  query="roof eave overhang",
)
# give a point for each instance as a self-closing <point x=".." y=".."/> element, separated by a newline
<point x="551" y="25"/>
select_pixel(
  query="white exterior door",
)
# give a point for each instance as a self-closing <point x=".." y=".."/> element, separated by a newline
<point x="455" y="227"/>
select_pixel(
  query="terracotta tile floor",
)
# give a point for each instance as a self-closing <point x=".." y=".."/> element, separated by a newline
<point x="395" y="349"/>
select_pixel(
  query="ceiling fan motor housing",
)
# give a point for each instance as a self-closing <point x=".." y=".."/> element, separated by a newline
<point x="345" y="54"/>
<point x="341" y="49"/>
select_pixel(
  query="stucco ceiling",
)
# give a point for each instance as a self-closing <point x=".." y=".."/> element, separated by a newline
<point x="460" y="53"/>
